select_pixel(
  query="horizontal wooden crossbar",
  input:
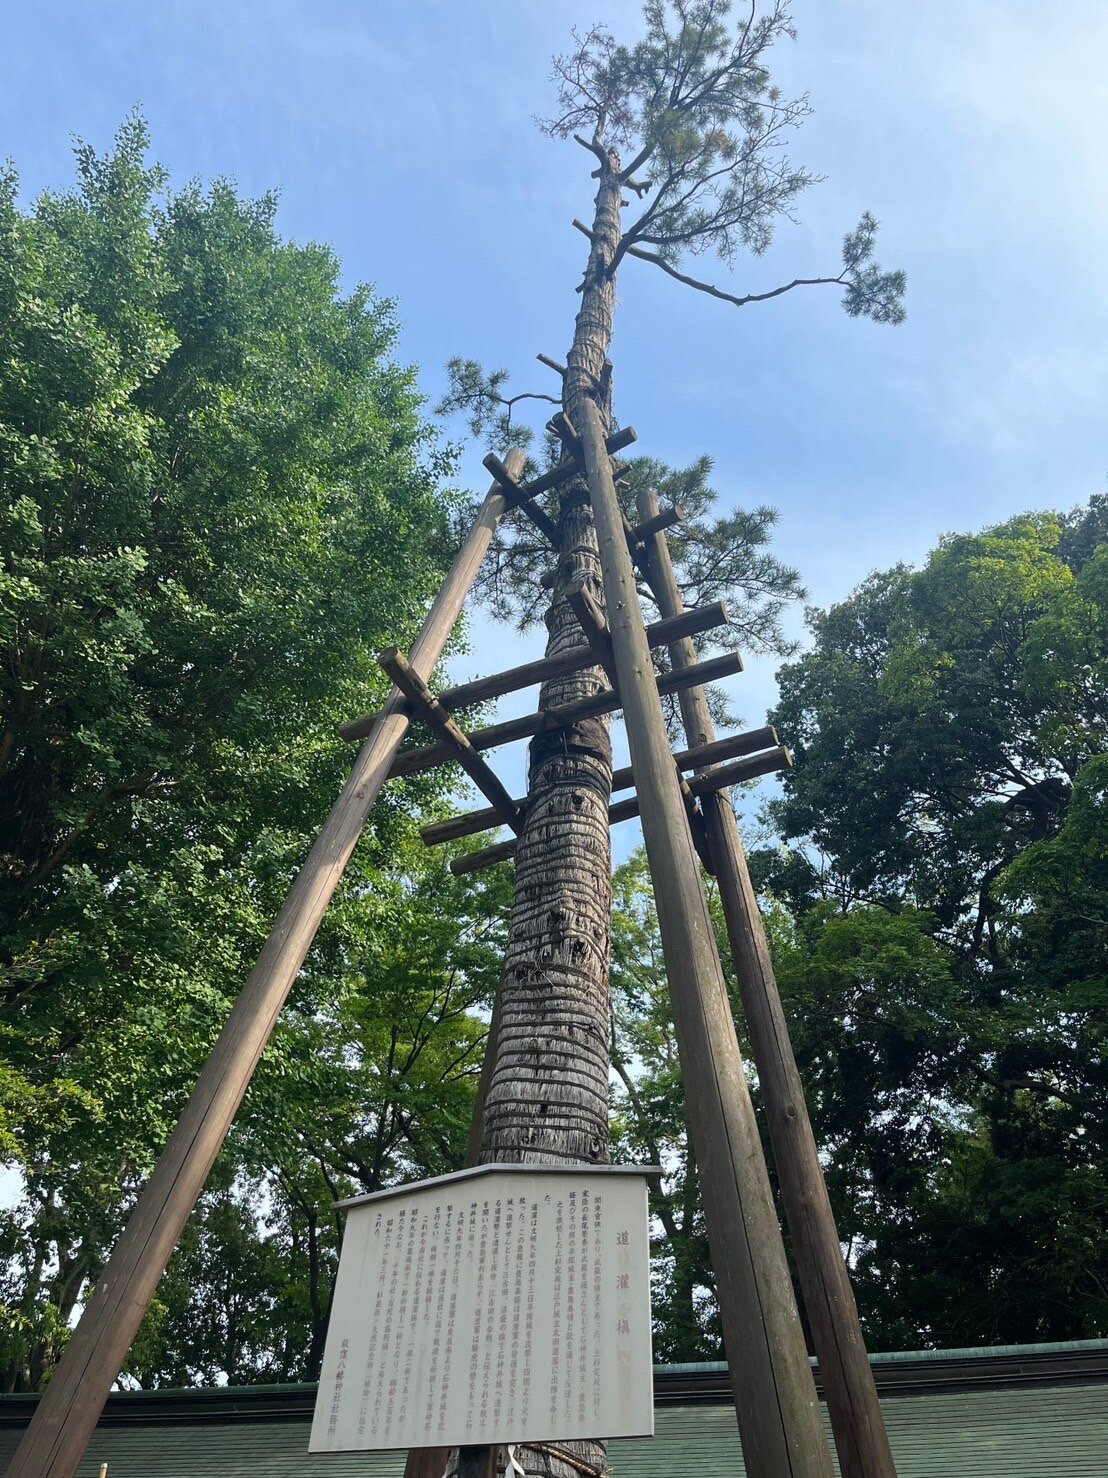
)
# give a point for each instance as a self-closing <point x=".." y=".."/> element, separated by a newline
<point x="522" y="495"/>
<point x="660" y="634"/>
<point x="767" y="763"/>
<point x="415" y="761"/>
<point x="663" y="520"/>
<point x="733" y="747"/>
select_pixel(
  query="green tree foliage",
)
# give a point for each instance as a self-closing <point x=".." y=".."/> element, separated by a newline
<point x="702" y="130"/>
<point x="942" y="716"/>
<point x="219" y="500"/>
<point x="369" y="1081"/>
<point x="950" y="738"/>
<point x="938" y="928"/>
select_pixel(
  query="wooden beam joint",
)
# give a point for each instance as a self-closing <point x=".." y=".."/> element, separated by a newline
<point x="518" y="496"/>
<point x="428" y="707"/>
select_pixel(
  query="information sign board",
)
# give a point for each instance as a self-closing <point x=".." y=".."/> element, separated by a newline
<point x="510" y="1303"/>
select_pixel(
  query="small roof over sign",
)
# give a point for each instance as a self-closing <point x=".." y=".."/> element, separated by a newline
<point x="649" y="1172"/>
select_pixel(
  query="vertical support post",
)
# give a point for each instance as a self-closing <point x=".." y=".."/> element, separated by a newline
<point x="775" y="1398"/>
<point x="67" y="1414"/>
<point x="861" y="1441"/>
<point x="476" y="1462"/>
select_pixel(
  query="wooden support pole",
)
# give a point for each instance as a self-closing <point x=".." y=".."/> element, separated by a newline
<point x="70" y="1408"/>
<point x="415" y="761"/>
<point x="471" y="822"/>
<point x="858" y="1425"/>
<point x="779" y="1418"/>
<point x="768" y="763"/>
<point x="659" y="634"/>
<point x="433" y="713"/>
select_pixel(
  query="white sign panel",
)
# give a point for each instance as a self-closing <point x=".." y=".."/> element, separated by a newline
<point x="505" y="1304"/>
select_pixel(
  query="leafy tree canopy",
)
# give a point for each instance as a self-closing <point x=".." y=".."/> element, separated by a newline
<point x="219" y="500"/>
<point x="694" y="106"/>
<point x="942" y="715"/>
<point x="950" y="740"/>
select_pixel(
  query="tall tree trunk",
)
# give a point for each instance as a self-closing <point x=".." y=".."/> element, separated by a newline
<point x="548" y="1093"/>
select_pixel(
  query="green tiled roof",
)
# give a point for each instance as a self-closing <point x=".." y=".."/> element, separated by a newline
<point x="1053" y="1430"/>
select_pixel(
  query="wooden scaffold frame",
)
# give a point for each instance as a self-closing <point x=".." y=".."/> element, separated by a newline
<point x="687" y="824"/>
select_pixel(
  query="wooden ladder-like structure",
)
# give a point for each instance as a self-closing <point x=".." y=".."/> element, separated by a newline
<point x="685" y="821"/>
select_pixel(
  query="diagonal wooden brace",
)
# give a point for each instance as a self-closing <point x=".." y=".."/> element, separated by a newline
<point x="594" y="624"/>
<point x="67" y="1414"/>
<point x="522" y="498"/>
<point x="428" y="707"/>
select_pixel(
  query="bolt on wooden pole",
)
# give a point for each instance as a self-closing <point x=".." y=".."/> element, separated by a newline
<point x="70" y="1408"/>
<point x="861" y="1441"/>
<point x="775" y="1398"/>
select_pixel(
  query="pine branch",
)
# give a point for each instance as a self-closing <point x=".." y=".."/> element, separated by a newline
<point x="715" y="292"/>
<point x="594" y="148"/>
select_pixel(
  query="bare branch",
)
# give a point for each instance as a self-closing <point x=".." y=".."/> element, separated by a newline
<point x="530" y="395"/>
<point x="593" y="148"/>
<point x="715" y="292"/>
<point x="637" y="163"/>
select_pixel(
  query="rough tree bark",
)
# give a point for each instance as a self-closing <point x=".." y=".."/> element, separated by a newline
<point x="548" y="1093"/>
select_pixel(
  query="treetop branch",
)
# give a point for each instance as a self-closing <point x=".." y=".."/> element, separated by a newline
<point x="716" y="292"/>
<point x="594" y="147"/>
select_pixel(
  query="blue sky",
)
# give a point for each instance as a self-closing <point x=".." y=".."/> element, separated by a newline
<point x="402" y="134"/>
